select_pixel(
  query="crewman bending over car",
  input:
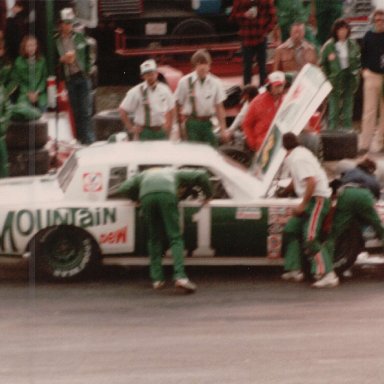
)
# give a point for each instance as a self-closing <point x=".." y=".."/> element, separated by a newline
<point x="157" y="190"/>
<point x="147" y="110"/>
<point x="301" y="233"/>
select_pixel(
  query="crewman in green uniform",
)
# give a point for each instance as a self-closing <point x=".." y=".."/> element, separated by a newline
<point x="5" y="114"/>
<point x="157" y="190"/>
<point x="326" y="12"/>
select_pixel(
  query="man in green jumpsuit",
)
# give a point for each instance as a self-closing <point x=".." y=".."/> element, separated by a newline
<point x="5" y="113"/>
<point x="157" y="189"/>
<point x="326" y="12"/>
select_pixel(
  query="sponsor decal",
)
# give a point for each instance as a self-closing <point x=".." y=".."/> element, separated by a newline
<point x="92" y="182"/>
<point x="26" y="222"/>
<point x="114" y="237"/>
<point x="248" y="214"/>
<point x="274" y="243"/>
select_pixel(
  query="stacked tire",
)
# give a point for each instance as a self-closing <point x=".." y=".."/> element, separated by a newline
<point x="25" y="143"/>
<point x="339" y="145"/>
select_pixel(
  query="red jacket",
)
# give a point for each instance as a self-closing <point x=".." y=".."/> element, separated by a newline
<point x="258" y="119"/>
<point x="254" y="31"/>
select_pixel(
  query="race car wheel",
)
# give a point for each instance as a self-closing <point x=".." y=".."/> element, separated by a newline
<point x="339" y="145"/>
<point x="239" y="155"/>
<point x="106" y="123"/>
<point x="26" y="163"/>
<point x="197" y="28"/>
<point x="65" y="252"/>
<point x="27" y="134"/>
<point x="347" y="248"/>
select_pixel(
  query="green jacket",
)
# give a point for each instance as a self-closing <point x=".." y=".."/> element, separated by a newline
<point x="332" y="68"/>
<point x="6" y="75"/>
<point x="165" y="180"/>
<point x="5" y="112"/>
<point x="83" y="55"/>
<point x="31" y="77"/>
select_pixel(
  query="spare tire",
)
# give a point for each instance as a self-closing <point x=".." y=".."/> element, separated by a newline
<point x="28" y="163"/>
<point x="27" y="134"/>
<point x="194" y="31"/>
<point x="339" y="145"/>
<point x="106" y="123"/>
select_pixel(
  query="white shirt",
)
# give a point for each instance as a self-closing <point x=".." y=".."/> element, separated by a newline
<point x="302" y="164"/>
<point x="160" y="99"/>
<point x="342" y="53"/>
<point x="208" y="94"/>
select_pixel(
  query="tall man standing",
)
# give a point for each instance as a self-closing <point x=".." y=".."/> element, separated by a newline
<point x="309" y="181"/>
<point x="75" y="58"/>
<point x="157" y="189"/>
<point x="256" y="18"/>
<point x="151" y="105"/>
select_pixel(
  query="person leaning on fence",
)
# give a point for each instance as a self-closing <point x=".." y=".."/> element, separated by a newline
<point x="302" y="231"/>
<point x="147" y="111"/>
<point x="199" y="97"/>
<point x="157" y="190"/>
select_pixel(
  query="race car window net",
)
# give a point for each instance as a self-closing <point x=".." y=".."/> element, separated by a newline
<point x="117" y="176"/>
<point x="66" y="172"/>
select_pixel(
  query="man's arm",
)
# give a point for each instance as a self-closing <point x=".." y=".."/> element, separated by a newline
<point x="220" y="113"/>
<point x="126" y="120"/>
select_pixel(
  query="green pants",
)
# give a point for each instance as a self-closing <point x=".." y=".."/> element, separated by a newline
<point x="201" y="132"/>
<point x="3" y="158"/>
<point x="149" y="134"/>
<point x="354" y="204"/>
<point x="301" y="238"/>
<point x="327" y="11"/>
<point x="161" y="217"/>
<point x="340" y="101"/>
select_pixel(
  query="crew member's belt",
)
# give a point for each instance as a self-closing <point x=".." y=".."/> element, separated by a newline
<point x="199" y="118"/>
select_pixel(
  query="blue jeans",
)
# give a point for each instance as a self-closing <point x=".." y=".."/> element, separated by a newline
<point x="260" y="51"/>
<point x="80" y="97"/>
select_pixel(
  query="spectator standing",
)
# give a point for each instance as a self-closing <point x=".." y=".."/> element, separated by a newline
<point x="262" y="111"/>
<point x="151" y="105"/>
<point x="199" y="97"/>
<point x="5" y="114"/>
<point x="156" y="189"/>
<point x="326" y="12"/>
<point x="75" y="60"/>
<point x="30" y="74"/>
<point x="295" y="52"/>
<point x="372" y="62"/>
<point x="5" y="69"/>
<point x="301" y="233"/>
<point x="340" y="61"/>
<point x="256" y="19"/>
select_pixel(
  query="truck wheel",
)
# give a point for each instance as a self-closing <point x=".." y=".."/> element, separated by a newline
<point x="194" y="27"/>
<point x="347" y="248"/>
<point x="240" y="155"/>
<point x="106" y="123"/>
<point x="26" y="163"/>
<point x="27" y="134"/>
<point x="64" y="252"/>
<point x="339" y="145"/>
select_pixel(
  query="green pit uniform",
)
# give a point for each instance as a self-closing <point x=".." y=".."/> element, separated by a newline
<point x="326" y="12"/>
<point x="157" y="189"/>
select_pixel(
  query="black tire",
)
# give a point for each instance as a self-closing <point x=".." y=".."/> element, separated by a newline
<point x="192" y="31"/>
<point x="64" y="252"/>
<point x="347" y="248"/>
<point x="339" y="145"/>
<point x="28" y="163"/>
<point x="27" y="134"/>
<point x="106" y="123"/>
<point x="313" y="142"/>
<point x="242" y="156"/>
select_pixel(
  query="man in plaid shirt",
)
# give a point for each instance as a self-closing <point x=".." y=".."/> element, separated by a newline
<point x="256" y="18"/>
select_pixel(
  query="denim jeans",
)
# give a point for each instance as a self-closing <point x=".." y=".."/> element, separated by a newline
<point x="80" y="97"/>
<point x="260" y="51"/>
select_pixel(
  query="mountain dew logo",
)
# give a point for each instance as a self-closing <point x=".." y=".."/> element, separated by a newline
<point x="27" y="222"/>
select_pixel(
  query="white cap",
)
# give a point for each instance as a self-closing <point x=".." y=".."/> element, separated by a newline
<point x="67" y="15"/>
<point x="148" y="66"/>
<point x="276" y="78"/>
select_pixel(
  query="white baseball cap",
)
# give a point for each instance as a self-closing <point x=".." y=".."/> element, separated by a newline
<point x="148" y="66"/>
<point x="67" y="15"/>
<point x="276" y="78"/>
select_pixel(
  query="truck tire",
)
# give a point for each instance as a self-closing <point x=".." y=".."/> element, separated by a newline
<point x="347" y="248"/>
<point x="339" y="145"/>
<point x="106" y="123"/>
<point x="194" y="27"/>
<point x="27" y="134"/>
<point x="28" y="163"/>
<point x="64" y="253"/>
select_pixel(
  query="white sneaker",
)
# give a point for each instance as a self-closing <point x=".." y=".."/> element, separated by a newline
<point x="158" y="284"/>
<point x="329" y="280"/>
<point x="186" y="285"/>
<point x="296" y="276"/>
